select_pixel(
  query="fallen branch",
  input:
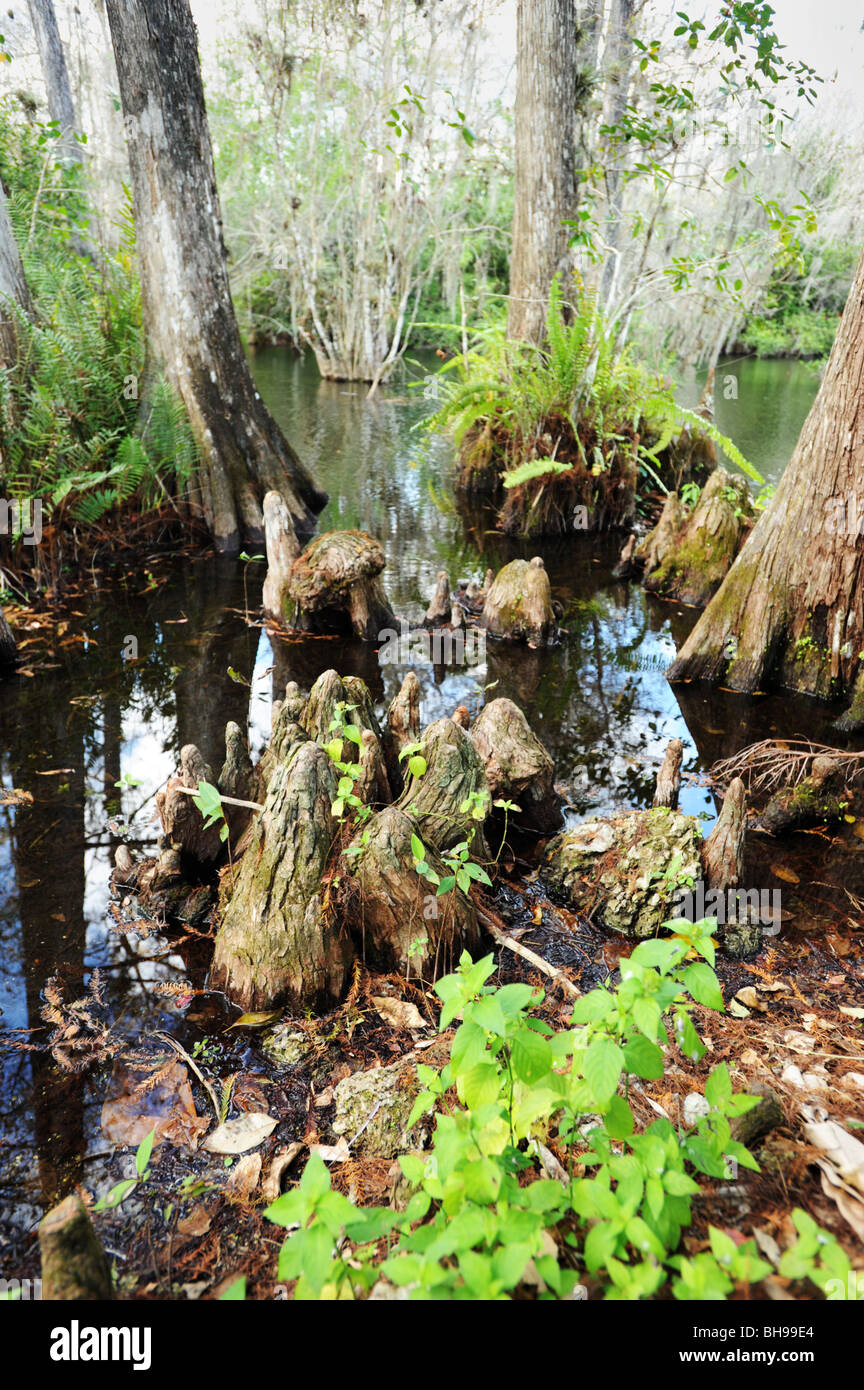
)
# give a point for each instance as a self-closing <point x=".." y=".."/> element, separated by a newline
<point x="531" y="956"/>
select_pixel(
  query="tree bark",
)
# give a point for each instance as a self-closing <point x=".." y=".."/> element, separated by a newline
<point x="277" y="943"/>
<point x="8" y="650"/>
<point x="556" y="45"/>
<point x="14" y="292"/>
<point x="61" y="106"/>
<point x="791" y="609"/>
<point x="188" y="315"/>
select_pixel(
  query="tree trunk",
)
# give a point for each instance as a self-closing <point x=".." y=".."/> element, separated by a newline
<point x="791" y="609"/>
<point x="13" y="289"/>
<point x="556" y="44"/>
<point x="188" y="314"/>
<point x="8" y="650"/>
<point x="58" y="90"/>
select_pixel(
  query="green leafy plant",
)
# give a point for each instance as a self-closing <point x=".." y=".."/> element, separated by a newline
<point x="344" y="731"/>
<point x="482" y="1220"/>
<point x="121" y="1190"/>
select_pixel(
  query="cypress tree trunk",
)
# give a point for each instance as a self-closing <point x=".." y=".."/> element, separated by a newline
<point x="61" y="106"/>
<point x="13" y="288"/>
<point x="790" y="612"/>
<point x="556" y="44"/>
<point x="188" y="314"/>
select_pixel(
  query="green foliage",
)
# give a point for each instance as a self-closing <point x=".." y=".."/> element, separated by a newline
<point x="578" y="390"/>
<point x="69" y="412"/>
<point x="482" y="1221"/>
<point x="121" y="1190"/>
<point x="209" y="803"/>
<point x="344" y="731"/>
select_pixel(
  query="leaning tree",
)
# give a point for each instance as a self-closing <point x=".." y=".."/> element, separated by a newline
<point x="189" y="319"/>
<point x="790" y="612"/>
<point x="556" y="45"/>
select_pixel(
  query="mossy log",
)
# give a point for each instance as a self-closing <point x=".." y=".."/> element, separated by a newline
<point x="723" y="851"/>
<point x="277" y="942"/>
<point x="812" y="801"/>
<point x="75" y="1268"/>
<point x="696" y="560"/>
<point x="8" y="650"/>
<point x="182" y="822"/>
<point x="518" y="767"/>
<point x="518" y="604"/>
<point x="401" y="922"/>
<point x="669" y="777"/>
<point x="334" y="586"/>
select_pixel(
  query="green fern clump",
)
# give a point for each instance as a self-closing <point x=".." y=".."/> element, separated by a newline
<point x="70" y="418"/>
<point x="576" y="403"/>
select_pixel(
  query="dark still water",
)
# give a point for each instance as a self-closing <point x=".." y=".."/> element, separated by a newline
<point x="88" y="720"/>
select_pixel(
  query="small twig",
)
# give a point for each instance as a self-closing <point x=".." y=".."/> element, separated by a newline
<point x="172" y="1042"/>
<point x="226" y="800"/>
<point x="531" y="956"/>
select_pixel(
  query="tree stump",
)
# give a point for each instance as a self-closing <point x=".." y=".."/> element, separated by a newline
<point x="403" y="727"/>
<point x="440" y="608"/>
<point x="333" y="586"/>
<point x="626" y="565"/>
<point x="239" y="779"/>
<point x="75" y="1268"/>
<point x="321" y="710"/>
<point x="651" y="551"/>
<point x="699" y="556"/>
<point x="669" y="777"/>
<point x="518" y="767"/>
<point x="518" y="604"/>
<point x="277" y="942"/>
<point x="723" y="851"/>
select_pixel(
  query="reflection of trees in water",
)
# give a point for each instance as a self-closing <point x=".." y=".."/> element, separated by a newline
<point x="48" y="845"/>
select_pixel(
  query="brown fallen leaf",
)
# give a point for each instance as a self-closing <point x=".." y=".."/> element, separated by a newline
<point x="196" y="1223"/>
<point x="272" y="1184"/>
<point x="236" y="1136"/>
<point x="136" y="1103"/>
<point x="243" y="1180"/>
<point x="397" y="1012"/>
<point x="750" y="999"/>
<point x="787" y="875"/>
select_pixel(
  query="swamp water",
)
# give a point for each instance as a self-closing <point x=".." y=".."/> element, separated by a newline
<point x="76" y="730"/>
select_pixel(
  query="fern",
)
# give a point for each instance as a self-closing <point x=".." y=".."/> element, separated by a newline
<point x="535" y="468"/>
